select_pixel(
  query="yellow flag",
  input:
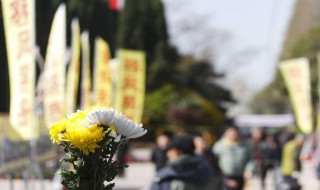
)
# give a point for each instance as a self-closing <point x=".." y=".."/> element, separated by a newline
<point x="102" y="75"/>
<point x="296" y="74"/>
<point x="318" y="108"/>
<point x="54" y="70"/>
<point x="19" y="27"/>
<point x="131" y="84"/>
<point x="85" y="73"/>
<point x="74" y="67"/>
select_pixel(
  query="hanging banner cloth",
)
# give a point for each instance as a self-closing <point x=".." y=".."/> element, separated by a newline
<point x="19" y="28"/>
<point x="55" y="70"/>
<point x="131" y="83"/>
<point x="296" y="74"/>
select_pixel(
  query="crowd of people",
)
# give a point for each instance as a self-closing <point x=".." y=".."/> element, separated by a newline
<point x="187" y="161"/>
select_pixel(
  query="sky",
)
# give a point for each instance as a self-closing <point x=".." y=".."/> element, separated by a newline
<point x="242" y="39"/>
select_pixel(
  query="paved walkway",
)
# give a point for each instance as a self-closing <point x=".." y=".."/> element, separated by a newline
<point x="139" y="175"/>
<point x="307" y="179"/>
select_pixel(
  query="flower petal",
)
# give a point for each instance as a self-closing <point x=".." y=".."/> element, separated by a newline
<point x="101" y="116"/>
<point x="128" y="128"/>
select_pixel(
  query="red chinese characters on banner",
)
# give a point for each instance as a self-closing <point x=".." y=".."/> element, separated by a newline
<point x="102" y="93"/>
<point x="297" y="75"/>
<point x="24" y="75"/>
<point x="130" y="83"/>
<point x="129" y="102"/>
<point x="25" y="44"/>
<point x="19" y="28"/>
<point x="24" y="82"/>
<point x="55" y="107"/>
<point x="102" y="96"/>
<point x="131" y="65"/>
<point x="22" y="70"/>
<point x="102" y="82"/>
<point x="129" y="86"/>
<point x="20" y="12"/>
<point x="24" y="109"/>
<point x="20" y="18"/>
<point x="55" y="70"/>
<point x="23" y="113"/>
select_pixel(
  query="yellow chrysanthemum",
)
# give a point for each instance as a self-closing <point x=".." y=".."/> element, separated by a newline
<point x="83" y="137"/>
<point x="78" y="116"/>
<point x="57" y="129"/>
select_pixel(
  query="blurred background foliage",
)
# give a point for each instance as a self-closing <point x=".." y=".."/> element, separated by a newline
<point x="182" y="92"/>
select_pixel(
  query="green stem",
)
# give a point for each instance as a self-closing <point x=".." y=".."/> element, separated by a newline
<point x="94" y="175"/>
<point x="113" y="152"/>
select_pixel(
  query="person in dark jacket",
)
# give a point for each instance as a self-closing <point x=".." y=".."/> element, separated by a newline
<point x="184" y="170"/>
<point x="158" y="155"/>
<point x="203" y="151"/>
<point x="262" y="153"/>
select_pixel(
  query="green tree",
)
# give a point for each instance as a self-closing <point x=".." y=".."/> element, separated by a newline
<point x="177" y="108"/>
<point x="181" y="91"/>
<point x="273" y="99"/>
<point x="200" y="76"/>
<point x="142" y="26"/>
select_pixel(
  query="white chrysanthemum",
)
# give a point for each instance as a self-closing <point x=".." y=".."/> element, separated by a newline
<point x="101" y="116"/>
<point x="128" y="128"/>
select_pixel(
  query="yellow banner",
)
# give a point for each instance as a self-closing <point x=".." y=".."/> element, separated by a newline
<point x="131" y="84"/>
<point x="318" y="106"/>
<point x="54" y="71"/>
<point x="74" y="67"/>
<point x="19" y="27"/>
<point x="85" y="72"/>
<point x="102" y="75"/>
<point x="296" y="74"/>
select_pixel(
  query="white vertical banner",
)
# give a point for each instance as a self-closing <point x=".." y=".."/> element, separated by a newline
<point x="19" y="27"/>
<point x="55" y="70"/>
<point x="85" y="100"/>
<point x="74" y="67"/>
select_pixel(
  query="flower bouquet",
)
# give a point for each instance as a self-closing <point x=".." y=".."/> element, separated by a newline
<point x="90" y="139"/>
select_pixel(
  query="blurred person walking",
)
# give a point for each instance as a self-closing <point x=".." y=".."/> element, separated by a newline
<point x="290" y="162"/>
<point x="203" y="151"/>
<point x="184" y="170"/>
<point x="234" y="159"/>
<point x="158" y="155"/>
<point x="122" y="157"/>
<point x="263" y="153"/>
